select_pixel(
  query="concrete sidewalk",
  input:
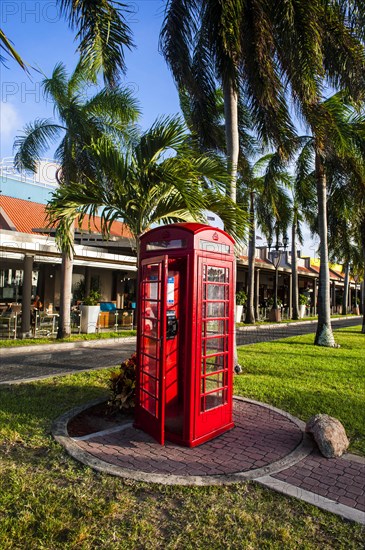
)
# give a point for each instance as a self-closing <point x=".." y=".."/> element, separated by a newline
<point x="267" y="445"/>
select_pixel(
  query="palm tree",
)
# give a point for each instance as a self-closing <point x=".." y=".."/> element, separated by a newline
<point x="336" y="150"/>
<point x="81" y="119"/>
<point x="303" y="206"/>
<point x="205" y="42"/>
<point x="261" y="188"/>
<point x="269" y="51"/>
<point x="102" y="32"/>
<point x="159" y="178"/>
<point x="346" y="202"/>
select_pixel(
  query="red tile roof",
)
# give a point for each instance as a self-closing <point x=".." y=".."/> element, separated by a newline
<point x="257" y="261"/>
<point x="27" y="215"/>
<point x="336" y="275"/>
<point x="305" y="269"/>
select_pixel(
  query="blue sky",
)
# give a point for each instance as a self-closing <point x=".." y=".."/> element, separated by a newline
<point x="43" y="39"/>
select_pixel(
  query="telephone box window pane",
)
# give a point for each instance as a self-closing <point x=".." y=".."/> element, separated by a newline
<point x="213" y="382"/>
<point x="218" y="362"/>
<point x="150" y="321"/>
<point x="149" y="403"/>
<point x="216" y="274"/>
<point x="216" y="292"/>
<point x="215" y="399"/>
<point x="151" y="290"/>
<point x="209" y="246"/>
<point x="214" y="309"/>
<point x="150" y="346"/>
<point x="215" y="345"/>
<point x="149" y="384"/>
<point x="213" y="328"/>
<point x="166" y="245"/>
<point x="149" y="365"/>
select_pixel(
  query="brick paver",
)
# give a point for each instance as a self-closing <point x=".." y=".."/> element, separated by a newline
<point x="260" y="437"/>
<point x="260" y="447"/>
<point x="338" y="479"/>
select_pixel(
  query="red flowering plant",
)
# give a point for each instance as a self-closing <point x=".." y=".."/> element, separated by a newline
<point x="122" y="384"/>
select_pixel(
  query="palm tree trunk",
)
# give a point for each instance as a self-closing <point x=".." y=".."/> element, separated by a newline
<point x="324" y="335"/>
<point x="64" y="323"/>
<point x="250" y="310"/>
<point x="294" y="271"/>
<point x="345" y="297"/>
<point x="362" y="291"/>
<point x="232" y="135"/>
<point x="232" y="144"/>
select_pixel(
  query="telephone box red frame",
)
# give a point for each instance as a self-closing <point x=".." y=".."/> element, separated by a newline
<point x="185" y="333"/>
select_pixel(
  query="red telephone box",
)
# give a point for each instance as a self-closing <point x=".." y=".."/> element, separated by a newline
<point x="185" y="333"/>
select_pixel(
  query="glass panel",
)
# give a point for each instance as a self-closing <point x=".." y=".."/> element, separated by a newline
<point x="150" y="324"/>
<point x="150" y="365"/>
<point x="214" y="399"/>
<point x="214" y="382"/>
<point x="151" y="281"/>
<point x="149" y="403"/>
<point x="215" y="363"/>
<point x="216" y="274"/>
<point x="212" y="328"/>
<point x="149" y="384"/>
<point x="214" y="247"/>
<point x="166" y="245"/>
<point x="203" y="366"/>
<point x="215" y="345"/>
<point x="150" y="346"/>
<point x="216" y="292"/>
<point x="214" y="309"/>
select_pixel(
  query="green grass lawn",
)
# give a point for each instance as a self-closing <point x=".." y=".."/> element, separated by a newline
<point x="49" y="501"/>
<point x="303" y="379"/>
<point x="10" y="343"/>
<point x="286" y="321"/>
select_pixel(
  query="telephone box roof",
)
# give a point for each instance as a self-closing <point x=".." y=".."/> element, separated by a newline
<point x="190" y="227"/>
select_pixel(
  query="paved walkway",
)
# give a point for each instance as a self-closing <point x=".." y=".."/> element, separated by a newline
<point x="267" y="445"/>
<point x="24" y="364"/>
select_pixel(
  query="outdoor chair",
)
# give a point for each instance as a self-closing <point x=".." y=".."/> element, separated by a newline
<point x="45" y="324"/>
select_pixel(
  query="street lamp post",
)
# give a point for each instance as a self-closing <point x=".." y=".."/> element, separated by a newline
<point x="276" y="255"/>
<point x="356" y="309"/>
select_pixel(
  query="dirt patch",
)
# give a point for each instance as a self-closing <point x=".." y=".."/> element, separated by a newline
<point x="94" y="419"/>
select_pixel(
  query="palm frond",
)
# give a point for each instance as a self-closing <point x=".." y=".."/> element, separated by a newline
<point x="8" y="48"/>
<point x="31" y="146"/>
<point x="103" y="33"/>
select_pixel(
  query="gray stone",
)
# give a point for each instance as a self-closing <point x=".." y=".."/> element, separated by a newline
<point x="329" y="434"/>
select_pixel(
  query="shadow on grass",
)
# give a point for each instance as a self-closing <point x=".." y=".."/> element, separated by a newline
<point x="45" y="401"/>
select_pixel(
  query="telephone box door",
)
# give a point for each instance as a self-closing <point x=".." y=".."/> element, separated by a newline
<point x="152" y="356"/>
<point x="215" y="343"/>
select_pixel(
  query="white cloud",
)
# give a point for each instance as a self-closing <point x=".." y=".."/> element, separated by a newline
<point x="10" y="123"/>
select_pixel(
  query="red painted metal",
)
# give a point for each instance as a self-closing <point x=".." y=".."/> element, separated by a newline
<point x="185" y="333"/>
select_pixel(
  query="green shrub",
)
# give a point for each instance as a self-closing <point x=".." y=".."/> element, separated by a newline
<point x="270" y="302"/>
<point x="92" y="299"/>
<point x="303" y="300"/>
<point x="241" y="298"/>
<point x="122" y="384"/>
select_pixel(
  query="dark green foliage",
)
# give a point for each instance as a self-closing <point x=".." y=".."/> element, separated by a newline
<point x="122" y="385"/>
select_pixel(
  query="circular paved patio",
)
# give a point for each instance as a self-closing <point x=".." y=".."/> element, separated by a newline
<point x="265" y="440"/>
